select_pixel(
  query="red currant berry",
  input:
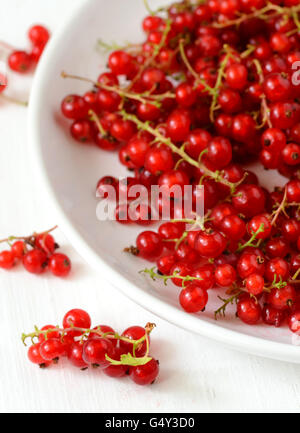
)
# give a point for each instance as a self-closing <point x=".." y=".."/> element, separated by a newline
<point x="35" y="357"/>
<point x="282" y="299"/>
<point x="149" y="245"/>
<point x="95" y="351"/>
<point x="45" y="242"/>
<point x="193" y="298"/>
<point x="117" y="370"/>
<point x="273" y="317"/>
<point x="260" y="222"/>
<point x="277" y="270"/>
<point x="38" y="35"/>
<point x="210" y="244"/>
<point x="134" y="333"/>
<point x="145" y="374"/>
<point x="19" y="61"/>
<point x="250" y="263"/>
<point x="7" y="259"/>
<point x="249" y="200"/>
<point x="76" y="319"/>
<point x="59" y="265"/>
<point x="75" y="355"/>
<point x="255" y="284"/>
<point x="294" y="322"/>
<point x="237" y="76"/>
<point x="35" y="261"/>
<point x="225" y="275"/>
<point x="18" y="249"/>
<point x="52" y="349"/>
<point x="249" y="310"/>
<point x="120" y="63"/>
<point x="74" y="107"/>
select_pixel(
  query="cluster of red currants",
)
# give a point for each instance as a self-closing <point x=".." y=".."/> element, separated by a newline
<point x="37" y="254"/>
<point x="212" y="88"/>
<point x="22" y="61"/>
<point x="100" y="347"/>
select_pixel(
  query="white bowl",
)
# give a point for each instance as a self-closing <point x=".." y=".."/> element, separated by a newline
<point x="69" y="172"/>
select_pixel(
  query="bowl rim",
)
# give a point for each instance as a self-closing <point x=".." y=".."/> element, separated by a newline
<point x="234" y="339"/>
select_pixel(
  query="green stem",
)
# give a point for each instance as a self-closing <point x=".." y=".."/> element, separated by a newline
<point x="153" y="275"/>
<point x="252" y="239"/>
<point x="145" y="126"/>
<point x="198" y="80"/>
<point x="14" y="100"/>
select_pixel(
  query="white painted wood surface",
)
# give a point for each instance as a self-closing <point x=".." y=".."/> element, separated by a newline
<point x="196" y="375"/>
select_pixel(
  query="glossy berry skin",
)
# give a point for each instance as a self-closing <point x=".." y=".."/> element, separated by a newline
<point x="260" y="222"/>
<point x="282" y="299"/>
<point x="219" y="152"/>
<point x="273" y="317"/>
<point x="250" y="263"/>
<point x="233" y="227"/>
<point x="60" y="265"/>
<point x="52" y="349"/>
<point x="291" y="154"/>
<point x="45" y="242"/>
<point x="237" y="76"/>
<point x="249" y="311"/>
<point x="19" y="61"/>
<point x="225" y="275"/>
<point x="17" y="249"/>
<point x="145" y="374"/>
<point x="210" y="245"/>
<point x="76" y="318"/>
<point x="277" y="247"/>
<point x="165" y="264"/>
<point x="159" y="159"/>
<point x="206" y="276"/>
<point x="7" y="259"/>
<point x="185" y="95"/>
<point x="34" y="355"/>
<point x="197" y="141"/>
<point x="255" y="284"/>
<point x="134" y="333"/>
<point x="249" y="200"/>
<point x="38" y="35"/>
<point x="94" y="351"/>
<point x="35" y="261"/>
<point x="277" y="87"/>
<point x="291" y="230"/>
<point x="193" y="298"/>
<point x="81" y="130"/>
<point x="120" y="63"/>
<point x="294" y="322"/>
<point x="277" y="269"/>
<point x="178" y="125"/>
<point x="74" y="107"/>
<point x="149" y="245"/>
<point x="75" y="355"/>
<point x="117" y="371"/>
<point x="293" y="191"/>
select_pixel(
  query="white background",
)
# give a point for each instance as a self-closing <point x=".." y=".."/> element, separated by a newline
<point x="196" y="375"/>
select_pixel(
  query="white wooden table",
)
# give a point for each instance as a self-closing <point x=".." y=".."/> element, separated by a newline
<point x="196" y="375"/>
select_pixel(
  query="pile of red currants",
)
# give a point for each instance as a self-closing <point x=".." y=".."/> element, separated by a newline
<point x="100" y="347"/>
<point x="212" y="88"/>
<point x="37" y="254"/>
